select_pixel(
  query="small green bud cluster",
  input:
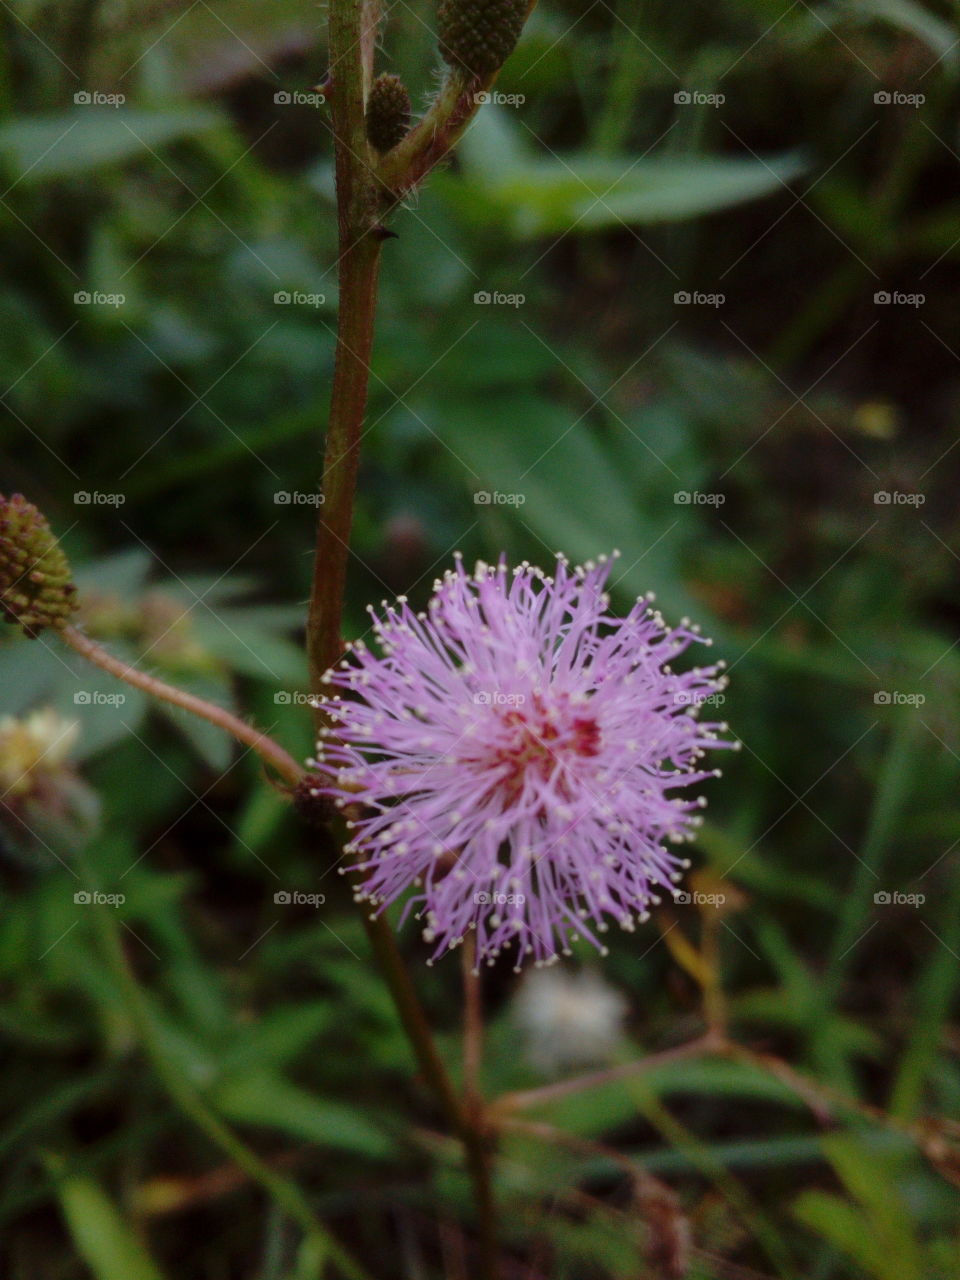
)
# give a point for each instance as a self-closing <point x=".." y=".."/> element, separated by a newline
<point x="388" y="111"/>
<point x="36" y="587"/>
<point x="477" y="36"/>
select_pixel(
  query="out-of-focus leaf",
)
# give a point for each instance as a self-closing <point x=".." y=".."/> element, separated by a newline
<point x="105" y="1242"/>
<point x="123" y="574"/>
<point x="919" y="21"/>
<point x="279" y="1036"/>
<point x="77" y="142"/>
<point x="590" y="193"/>
<point x="564" y="486"/>
<point x="215" y="747"/>
<point x="265" y="1098"/>
<point x="874" y="1233"/>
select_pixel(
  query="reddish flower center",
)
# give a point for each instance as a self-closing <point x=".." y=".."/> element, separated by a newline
<point x="538" y="738"/>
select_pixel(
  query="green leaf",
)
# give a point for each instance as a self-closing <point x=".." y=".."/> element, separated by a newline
<point x="266" y="1098"/>
<point x="38" y="149"/>
<point x="104" y="1241"/>
<point x="590" y="193"/>
<point x="576" y="496"/>
<point x="837" y="1221"/>
<point x="878" y="1231"/>
<point x="278" y="1037"/>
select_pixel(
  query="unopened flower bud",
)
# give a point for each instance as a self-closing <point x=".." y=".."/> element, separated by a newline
<point x="36" y="590"/>
<point x="388" y="112"/>
<point x="313" y="805"/>
<point x="477" y="36"/>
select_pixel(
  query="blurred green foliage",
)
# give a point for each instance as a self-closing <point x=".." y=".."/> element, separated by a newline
<point x="596" y="403"/>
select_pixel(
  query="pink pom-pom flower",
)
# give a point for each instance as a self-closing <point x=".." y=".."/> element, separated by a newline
<point x="515" y="753"/>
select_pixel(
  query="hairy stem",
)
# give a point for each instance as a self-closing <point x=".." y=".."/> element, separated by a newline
<point x="431" y="140"/>
<point x="360" y="236"/>
<point x="360" y="241"/>
<point x="270" y="752"/>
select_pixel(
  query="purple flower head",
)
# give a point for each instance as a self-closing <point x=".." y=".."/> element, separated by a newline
<point x="514" y="752"/>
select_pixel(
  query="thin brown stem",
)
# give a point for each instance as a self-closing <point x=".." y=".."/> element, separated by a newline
<point x="524" y="1099"/>
<point x="270" y="752"/>
<point x="466" y="1121"/>
<point x="358" y="284"/>
<point x="415" y="1024"/>
<point x="360" y="243"/>
<point x="352" y="27"/>
<point x="475" y="1107"/>
<point x="472" y="1022"/>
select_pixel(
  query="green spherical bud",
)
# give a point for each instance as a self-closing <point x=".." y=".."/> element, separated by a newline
<point x="388" y="112"/>
<point x="36" y="590"/>
<point x="477" y="36"/>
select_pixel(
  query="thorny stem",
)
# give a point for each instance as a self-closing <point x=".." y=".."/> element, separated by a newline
<point x="360" y="240"/>
<point x="352" y="27"/>
<point x="270" y="752"/>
